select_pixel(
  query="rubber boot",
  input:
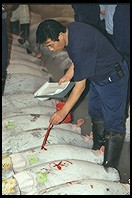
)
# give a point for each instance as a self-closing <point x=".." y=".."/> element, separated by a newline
<point x="98" y="134"/>
<point x="113" y="147"/>
<point x="14" y="26"/>
<point x="25" y="28"/>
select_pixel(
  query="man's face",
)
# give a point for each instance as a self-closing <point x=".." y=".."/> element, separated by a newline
<point x="55" y="46"/>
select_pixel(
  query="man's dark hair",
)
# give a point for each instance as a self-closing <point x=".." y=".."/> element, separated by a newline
<point x="49" y="29"/>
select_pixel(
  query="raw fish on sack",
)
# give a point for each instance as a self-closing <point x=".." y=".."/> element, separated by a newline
<point x="35" y="156"/>
<point x="23" y="83"/>
<point x="19" y="141"/>
<point x="87" y="187"/>
<point x="10" y="186"/>
<point x="38" y="178"/>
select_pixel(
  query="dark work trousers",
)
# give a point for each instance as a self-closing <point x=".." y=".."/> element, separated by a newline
<point x="4" y="53"/>
<point x="107" y="100"/>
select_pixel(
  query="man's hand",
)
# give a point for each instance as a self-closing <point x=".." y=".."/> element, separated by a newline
<point x="57" y="117"/>
<point x="68" y="75"/>
<point x="63" y="79"/>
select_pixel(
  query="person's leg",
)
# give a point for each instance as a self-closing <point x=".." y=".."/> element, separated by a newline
<point x="24" y="23"/>
<point x="113" y="96"/>
<point x="96" y="115"/>
<point x="14" y="22"/>
<point x="14" y="27"/>
<point x="24" y="33"/>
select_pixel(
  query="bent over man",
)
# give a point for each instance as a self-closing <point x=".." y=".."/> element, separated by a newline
<point x="93" y="57"/>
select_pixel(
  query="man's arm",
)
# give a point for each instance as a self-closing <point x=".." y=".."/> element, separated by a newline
<point x="78" y="89"/>
<point x="74" y="95"/>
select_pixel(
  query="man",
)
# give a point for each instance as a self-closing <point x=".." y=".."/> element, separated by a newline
<point x="108" y="12"/>
<point x="94" y="58"/>
<point x="121" y="30"/>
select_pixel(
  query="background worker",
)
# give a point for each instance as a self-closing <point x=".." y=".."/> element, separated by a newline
<point x="107" y="11"/>
<point x="87" y="13"/>
<point x="121" y="30"/>
<point x="20" y="22"/>
<point x="121" y="37"/>
<point x="117" y="25"/>
<point x="93" y="57"/>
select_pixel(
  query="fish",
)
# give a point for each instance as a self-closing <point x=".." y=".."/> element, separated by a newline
<point x="44" y="110"/>
<point x="24" y="123"/>
<point x="58" y="172"/>
<point x="23" y="55"/>
<point x="35" y="156"/>
<point x="23" y="83"/>
<point x="17" y="140"/>
<point x="24" y="69"/>
<point x="28" y="63"/>
<point x="87" y="187"/>
<point x="23" y="100"/>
